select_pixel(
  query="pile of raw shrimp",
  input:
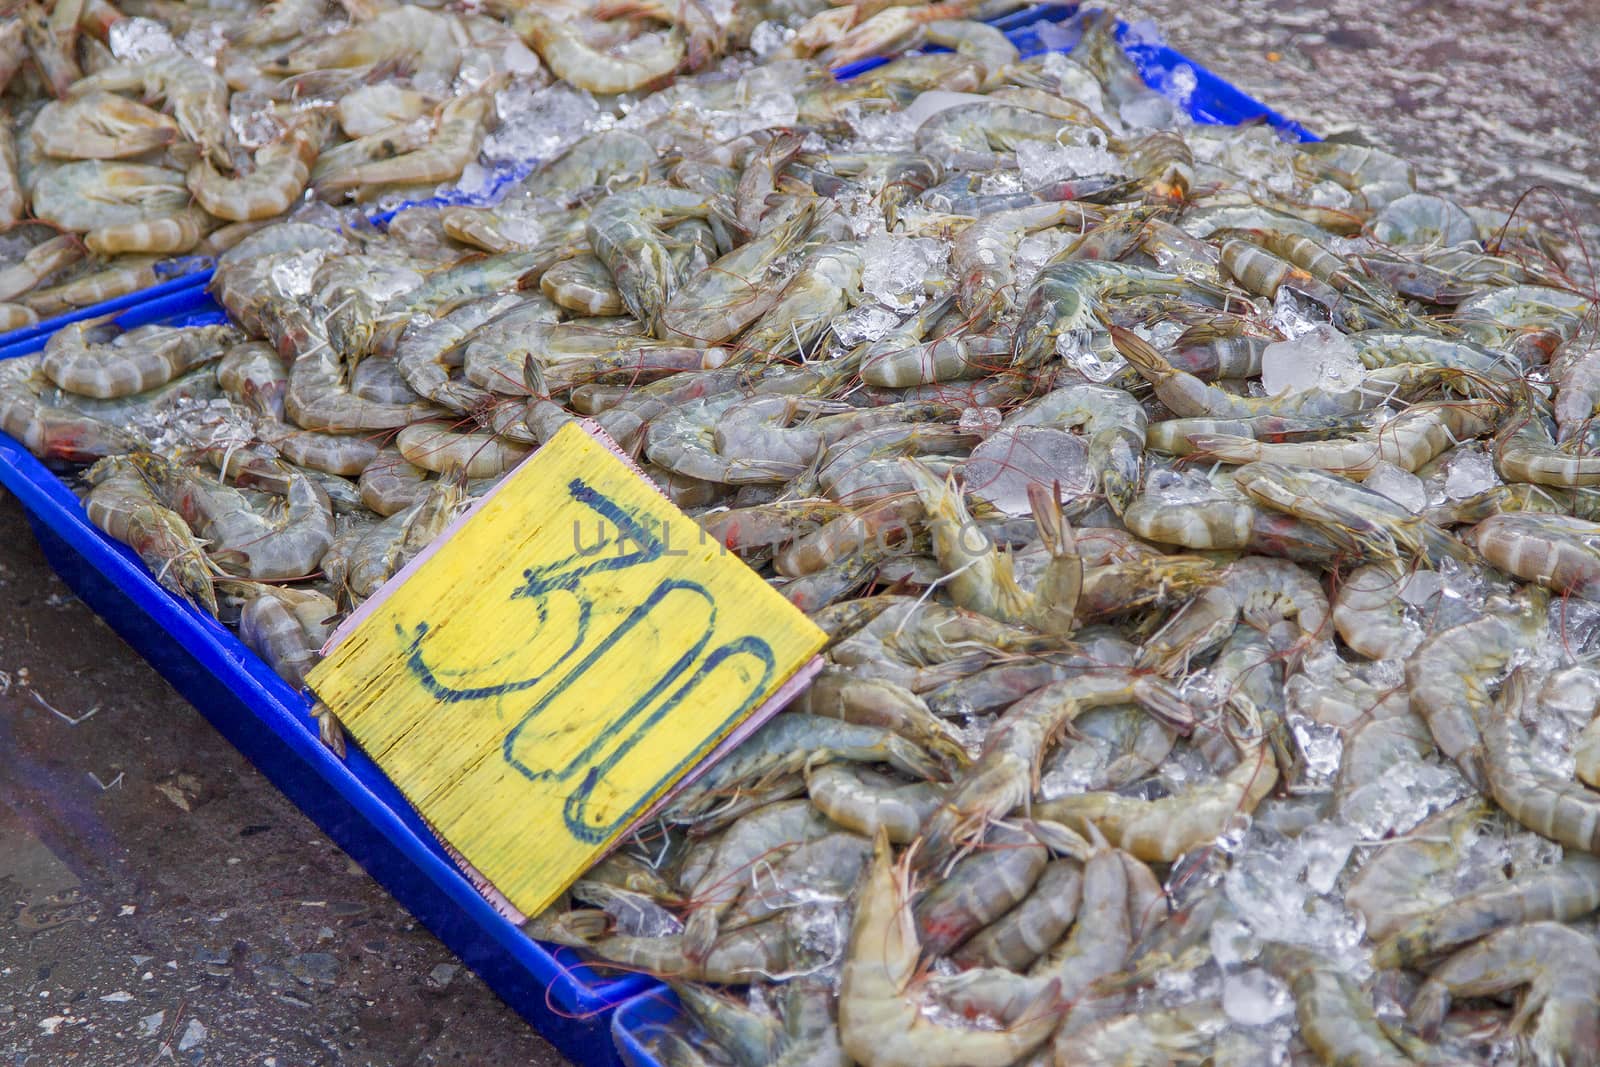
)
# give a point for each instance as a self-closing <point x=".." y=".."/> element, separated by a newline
<point x="1202" y="523"/>
<point x="138" y="133"/>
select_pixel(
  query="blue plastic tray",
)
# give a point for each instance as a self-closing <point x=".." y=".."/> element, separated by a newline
<point x="1214" y="102"/>
<point x="192" y="271"/>
<point x="352" y="800"/>
<point x="632" y="1024"/>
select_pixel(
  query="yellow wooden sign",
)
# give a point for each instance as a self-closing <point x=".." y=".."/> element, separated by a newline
<point x="560" y="660"/>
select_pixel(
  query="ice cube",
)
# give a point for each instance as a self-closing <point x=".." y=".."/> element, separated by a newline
<point x="1232" y="942"/>
<point x="1043" y="162"/>
<point x="769" y="36"/>
<point x="1327" y="848"/>
<point x="934" y="101"/>
<point x="893" y="268"/>
<point x="980" y="420"/>
<point x="135" y="38"/>
<point x="1287" y="316"/>
<point x="1034" y="251"/>
<point x="1179" y="85"/>
<point x="1076" y="349"/>
<point x="538" y="124"/>
<point x="1013" y="458"/>
<point x="865" y="322"/>
<point x="1143" y="33"/>
<point x="1320" y="358"/>
<point x="1470" y="472"/>
<point x="1166" y="485"/>
<point x="1321" y="747"/>
<point x="1150" y="111"/>
<point x="1401" y="486"/>
<point x="1255" y="998"/>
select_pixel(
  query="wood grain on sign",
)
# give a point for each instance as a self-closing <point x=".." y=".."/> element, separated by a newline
<point x="568" y="653"/>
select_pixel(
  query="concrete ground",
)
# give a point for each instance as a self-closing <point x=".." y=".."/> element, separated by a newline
<point x="160" y="901"/>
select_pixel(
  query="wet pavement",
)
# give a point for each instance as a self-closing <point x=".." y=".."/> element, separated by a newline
<point x="161" y="902"/>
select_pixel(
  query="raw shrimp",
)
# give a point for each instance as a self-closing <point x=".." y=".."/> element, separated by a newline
<point x="1449" y="675"/>
<point x="582" y="284"/>
<point x="121" y="504"/>
<point x="100" y="125"/>
<point x="1562" y="810"/>
<point x="1409" y="440"/>
<point x="127" y="363"/>
<point x="441" y="448"/>
<point x="92" y="194"/>
<point x="1005" y="776"/>
<point x="880" y="1020"/>
<point x="1336" y="1019"/>
<point x="734" y="291"/>
<point x="1558" y="552"/>
<point x="980" y="888"/>
<point x="1162" y="830"/>
<point x="1033" y="926"/>
<point x="865" y="801"/>
<point x="1559" y="965"/>
<point x="1115" y="425"/>
<point x="280" y="175"/>
<point x="649" y="59"/>
<point x="178" y="232"/>
<point x="623" y="232"/>
<point x="455" y="142"/>
<point x="194" y="93"/>
<point x="38" y="264"/>
<point x="980" y="578"/>
<point x="1562" y="892"/>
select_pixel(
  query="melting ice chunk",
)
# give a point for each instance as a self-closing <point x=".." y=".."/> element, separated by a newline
<point x="1254" y="998"/>
<point x="1320" y="358"/>
<point x="538" y="124"/>
<point x="1007" y="462"/>
<point x="1166" y="485"/>
<point x="981" y="421"/>
<point x="893" y="268"/>
<point x="1042" y="162"/>
<point x="137" y="38"/>
<point x="866" y="322"/>
<point x="1401" y="486"/>
<point x="1471" y="472"/>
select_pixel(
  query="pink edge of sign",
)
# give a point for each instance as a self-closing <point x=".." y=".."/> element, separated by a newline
<point x="770" y="707"/>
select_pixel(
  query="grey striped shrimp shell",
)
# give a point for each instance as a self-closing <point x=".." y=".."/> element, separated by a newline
<point x="623" y="233"/>
<point x="194" y="93"/>
<point x="864" y="800"/>
<point x="122" y="505"/>
<point x="439" y="447"/>
<point x="456" y="139"/>
<point x="1560" y="809"/>
<point x="1564" y="891"/>
<point x="12" y="201"/>
<point x="1561" y="967"/>
<point x="131" y="362"/>
<point x="178" y="232"/>
<point x="277" y="180"/>
<point x="131" y="274"/>
<point x="574" y="61"/>
<point x="1448" y="677"/>
<point x="1409" y="440"/>
<point x="582" y="284"/>
<point x="37" y="264"/>
<point x="981" y="256"/>
<point x="1558" y="552"/>
<point x="100" y="125"/>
